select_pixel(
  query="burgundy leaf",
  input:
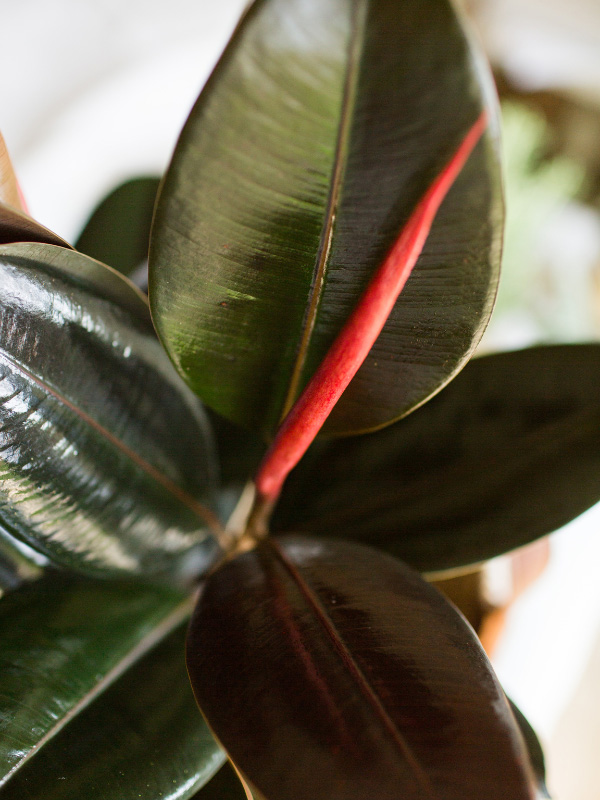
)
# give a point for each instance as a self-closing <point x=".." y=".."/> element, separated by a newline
<point x="328" y="670"/>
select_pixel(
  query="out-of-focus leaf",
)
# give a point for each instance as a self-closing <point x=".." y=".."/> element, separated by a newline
<point x="16" y="226"/>
<point x="9" y="190"/>
<point x="534" y="748"/>
<point x="350" y="678"/>
<point x="105" y="454"/>
<point x="64" y="639"/>
<point x="240" y="451"/>
<point x="508" y="452"/>
<point x="142" y="738"/>
<point x="322" y="126"/>
<point x="118" y="229"/>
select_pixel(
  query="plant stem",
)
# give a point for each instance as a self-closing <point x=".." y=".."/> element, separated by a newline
<point x="358" y="335"/>
<point x="248" y="523"/>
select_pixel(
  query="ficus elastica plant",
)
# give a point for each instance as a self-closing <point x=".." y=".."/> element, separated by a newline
<point x="227" y="480"/>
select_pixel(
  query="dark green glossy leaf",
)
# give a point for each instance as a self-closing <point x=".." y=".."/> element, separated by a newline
<point x="534" y="748"/>
<point x="142" y="738"/>
<point x="16" y="226"/>
<point x="105" y="454"/>
<point x="63" y="640"/>
<point x="508" y="452"/>
<point x="320" y="129"/>
<point x="350" y="678"/>
<point x="118" y="230"/>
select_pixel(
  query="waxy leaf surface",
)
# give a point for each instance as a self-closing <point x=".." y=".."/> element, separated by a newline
<point x="104" y="453"/>
<point x="142" y="738"/>
<point x="350" y="678"/>
<point x="118" y="230"/>
<point x="64" y="639"/>
<point x="322" y="126"/>
<point x="508" y="452"/>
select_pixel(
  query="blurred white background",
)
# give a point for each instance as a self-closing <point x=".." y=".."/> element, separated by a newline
<point x="99" y="91"/>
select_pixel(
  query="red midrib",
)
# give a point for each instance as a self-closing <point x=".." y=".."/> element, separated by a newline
<point x="362" y="328"/>
<point x="353" y="669"/>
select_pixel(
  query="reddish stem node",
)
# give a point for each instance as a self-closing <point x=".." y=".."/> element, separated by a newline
<point x="358" y="335"/>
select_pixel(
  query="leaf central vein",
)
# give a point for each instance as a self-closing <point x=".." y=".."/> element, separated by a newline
<point x="346" y="114"/>
<point x="182" y="496"/>
<point x="357" y="673"/>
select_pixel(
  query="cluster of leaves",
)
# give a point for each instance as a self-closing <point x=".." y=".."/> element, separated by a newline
<point x="325" y="668"/>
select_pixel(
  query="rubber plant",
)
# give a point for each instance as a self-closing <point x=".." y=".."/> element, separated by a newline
<point x="324" y="257"/>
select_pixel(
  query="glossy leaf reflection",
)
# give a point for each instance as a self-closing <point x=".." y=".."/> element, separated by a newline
<point x="322" y="127"/>
<point x="354" y="678"/>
